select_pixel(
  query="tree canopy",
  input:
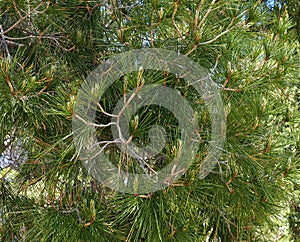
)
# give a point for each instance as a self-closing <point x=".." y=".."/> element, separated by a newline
<point x="48" y="48"/>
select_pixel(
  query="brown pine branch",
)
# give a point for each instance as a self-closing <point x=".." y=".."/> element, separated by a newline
<point x="10" y="86"/>
<point x="22" y="18"/>
<point x="173" y="20"/>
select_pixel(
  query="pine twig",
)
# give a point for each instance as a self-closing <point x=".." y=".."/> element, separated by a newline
<point x="228" y="183"/>
<point x="197" y="15"/>
<point x="77" y="212"/>
<point x="22" y="18"/>
<point x="206" y="15"/>
<point x="4" y="42"/>
<point x="173" y="20"/>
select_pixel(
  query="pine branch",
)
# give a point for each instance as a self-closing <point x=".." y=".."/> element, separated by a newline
<point x="22" y="18"/>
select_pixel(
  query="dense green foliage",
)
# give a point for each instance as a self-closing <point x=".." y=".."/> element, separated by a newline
<point x="47" y="50"/>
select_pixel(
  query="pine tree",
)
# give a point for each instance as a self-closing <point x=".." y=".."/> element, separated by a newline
<point x="48" y="48"/>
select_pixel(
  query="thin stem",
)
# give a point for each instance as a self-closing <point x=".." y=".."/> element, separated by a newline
<point x="4" y="42"/>
<point x="173" y="20"/>
<point x="197" y="15"/>
<point x="22" y="18"/>
<point x="93" y="124"/>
